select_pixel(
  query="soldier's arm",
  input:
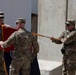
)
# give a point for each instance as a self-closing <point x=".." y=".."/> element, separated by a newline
<point x="70" y="38"/>
<point x="60" y="39"/>
<point x="35" y="45"/>
<point x="56" y="40"/>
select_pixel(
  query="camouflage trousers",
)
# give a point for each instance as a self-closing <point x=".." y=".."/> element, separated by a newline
<point x="20" y="64"/>
<point x="64" y="64"/>
<point x="2" y="70"/>
<point x="71" y="62"/>
<point x="71" y="67"/>
<point x="71" y="72"/>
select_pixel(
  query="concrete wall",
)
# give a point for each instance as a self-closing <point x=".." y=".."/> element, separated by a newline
<point x="72" y="9"/>
<point x="51" y="22"/>
<point x="14" y="9"/>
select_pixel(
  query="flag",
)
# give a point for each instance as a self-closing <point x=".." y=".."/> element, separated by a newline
<point x="6" y="32"/>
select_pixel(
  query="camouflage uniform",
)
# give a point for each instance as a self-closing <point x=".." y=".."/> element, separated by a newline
<point x="68" y="38"/>
<point x="63" y="35"/>
<point x="2" y="69"/>
<point x="70" y="52"/>
<point x="22" y="56"/>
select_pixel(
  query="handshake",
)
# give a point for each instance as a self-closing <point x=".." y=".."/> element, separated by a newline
<point x="1" y="42"/>
<point x="1" y="45"/>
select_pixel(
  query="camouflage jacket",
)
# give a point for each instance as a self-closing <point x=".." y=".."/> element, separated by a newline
<point x="70" y="42"/>
<point x="22" y="40"/>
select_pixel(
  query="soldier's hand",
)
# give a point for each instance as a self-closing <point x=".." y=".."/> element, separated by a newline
<point x="53" y="39"/>
<point x="1" y="43"/>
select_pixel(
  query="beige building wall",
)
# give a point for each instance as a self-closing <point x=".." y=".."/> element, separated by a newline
<point x="51" y="22"/>
<point x="72" y="9"/>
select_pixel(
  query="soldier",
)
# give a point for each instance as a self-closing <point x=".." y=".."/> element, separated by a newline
<point x="7" y="57"/>
<point x="22" y="55"/>
<point x="68" y="38"/>
<point x="2" y="70"/>
<point x="6" y="54"/>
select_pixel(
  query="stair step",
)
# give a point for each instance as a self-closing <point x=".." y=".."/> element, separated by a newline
<point x="50" y="67"/>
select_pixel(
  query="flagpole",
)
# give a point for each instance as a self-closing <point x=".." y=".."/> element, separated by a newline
<point x="34" y="34"/>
